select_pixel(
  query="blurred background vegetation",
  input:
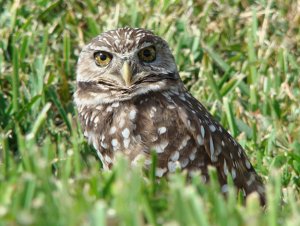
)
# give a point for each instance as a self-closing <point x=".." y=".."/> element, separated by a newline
<point x="240" y="58"/>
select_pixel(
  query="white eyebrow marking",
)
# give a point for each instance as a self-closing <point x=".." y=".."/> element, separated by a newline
<point x="100" y="48"/>
<point x="145" y="44"/>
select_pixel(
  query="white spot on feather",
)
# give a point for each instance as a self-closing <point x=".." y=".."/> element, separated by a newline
<point x="94" y="114"/>
<point x="162" y="130"/>
<point x="122" y="122"/>
<point x="126" y="143"/>
<point x="172" y="166"/>
<point x="248" y="165"/>
<point x="239" y="152"/>
<point x="96" y="119"/>
<point x="200" y="140"/>
<point x="112" y="130"/>
<point x="104" y="145"/>
<point x="218" y="149"/>
<point x="212" y="150"/>
<point x="126" y="133"/>
<point x="212" y="128"/>
<point x="224" y="188"/>
<point x="159" y="172"/>
<point x="199" y="107"/>
<point x="184" y="142"/>
<point x="202" y="131"/>
<point x="132" y="114"/>
<point x="192" y="156"/>
<point x="175" y="156"/>
<point x="114" y="142"/>
<point x="115" y="104"/>
<point x="184" y="162"/>
<point x="152" y="112"/>
<point x="107" y="159"/>
<point x="182" y="97"/>
<point x="99" y="107"/>
<point x="160" y="148"/>
<point x="233" y="173"/>
<point x="171" y="107"/>
<point x="222" y="142"/>
<point x="225" y="168"/>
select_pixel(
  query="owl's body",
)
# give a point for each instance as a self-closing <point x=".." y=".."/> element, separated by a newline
<point x="131" y="100"/>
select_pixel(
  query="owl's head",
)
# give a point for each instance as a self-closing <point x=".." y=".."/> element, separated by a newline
<point x="123" y="63"/>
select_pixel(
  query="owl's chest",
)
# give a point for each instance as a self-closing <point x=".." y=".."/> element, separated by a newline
<point x="132" y="127"/>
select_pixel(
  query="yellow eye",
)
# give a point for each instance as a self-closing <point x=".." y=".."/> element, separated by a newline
<point x="147" y="54"/>
<point x="102" y="58"/>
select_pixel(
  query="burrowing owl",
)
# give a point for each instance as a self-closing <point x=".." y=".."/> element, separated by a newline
<point x="130" y="99"/>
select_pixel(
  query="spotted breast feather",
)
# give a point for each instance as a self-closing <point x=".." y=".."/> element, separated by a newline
<point x="178" y="128"/>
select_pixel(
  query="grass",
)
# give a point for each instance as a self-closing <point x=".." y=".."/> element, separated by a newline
<point x="240" y="58"/>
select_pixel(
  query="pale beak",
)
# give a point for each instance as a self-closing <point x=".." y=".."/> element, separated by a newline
<point x="127" y="73"/>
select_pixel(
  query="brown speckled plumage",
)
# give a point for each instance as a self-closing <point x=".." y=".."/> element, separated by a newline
<point x="154" y="112"/>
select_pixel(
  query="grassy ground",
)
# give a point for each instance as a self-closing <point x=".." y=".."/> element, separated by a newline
<point x="240" y="58"/>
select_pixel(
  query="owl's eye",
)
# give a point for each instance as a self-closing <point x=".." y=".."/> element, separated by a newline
<point x="147" y="54"/>
<point x="102" y="58"/>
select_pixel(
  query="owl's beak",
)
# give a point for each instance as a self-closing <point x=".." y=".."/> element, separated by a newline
<point x="127" y="73"/>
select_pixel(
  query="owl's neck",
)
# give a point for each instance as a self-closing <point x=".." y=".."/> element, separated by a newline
<point x="92" y="94"/>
